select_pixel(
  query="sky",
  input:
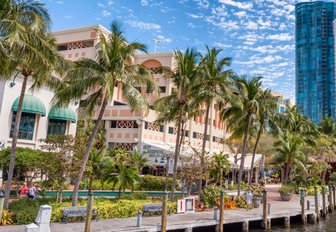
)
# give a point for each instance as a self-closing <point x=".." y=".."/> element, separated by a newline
<point x="257" y="34"/>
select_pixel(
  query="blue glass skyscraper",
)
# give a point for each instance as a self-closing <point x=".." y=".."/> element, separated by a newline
<point x="315" y="61"/>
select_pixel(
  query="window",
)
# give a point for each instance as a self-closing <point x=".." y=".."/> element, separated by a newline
<point x="162" y="89"/>
<point x="56" y="127"/>
<point x="27" y="125"/>
<point x="124" y="124"/>
<point x="171" y="130"/>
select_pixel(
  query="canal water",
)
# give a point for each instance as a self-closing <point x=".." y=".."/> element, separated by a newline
<point x="327" y="225"/>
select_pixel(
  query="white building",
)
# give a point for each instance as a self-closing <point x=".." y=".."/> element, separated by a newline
<point x="39" y="118"/>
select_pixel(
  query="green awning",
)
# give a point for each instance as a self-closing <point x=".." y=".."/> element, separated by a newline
<point x="31" y="104"/>
<point x="62" y="113"/>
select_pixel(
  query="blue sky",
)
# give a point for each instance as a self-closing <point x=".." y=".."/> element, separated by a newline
<point x="257" y="34"/>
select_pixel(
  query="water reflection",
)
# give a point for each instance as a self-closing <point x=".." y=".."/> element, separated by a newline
<point x="327" y="225"/>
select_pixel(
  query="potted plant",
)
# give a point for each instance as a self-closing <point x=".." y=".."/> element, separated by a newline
<point x="286" y="192"/>
<point x="257" y="191"/>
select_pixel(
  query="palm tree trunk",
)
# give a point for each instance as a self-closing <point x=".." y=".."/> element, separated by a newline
<point x="177" y="149"/>
<point x="254" y="151"/>
<point x="220" y="177"/>
<point x="89" y="208"/>
<point x="203" y="153"/>
<point x="14" y="141"/>
<point x="87" y="152"/>
<point x="286" y="173"/>
<point x="242" y="159"/>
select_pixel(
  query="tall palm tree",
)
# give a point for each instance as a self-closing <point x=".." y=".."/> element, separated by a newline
<point x="177" y="106"/>
<point x="267" y="106"/>
<point x="30" y="52"/>
<point x="327" y="126"/>
<point x="244" y="104"/>
<point x="220" y="164"/>
<point x="95" y="81"/>
<point x="288" y="153"/>
<point x="212" y="86"/>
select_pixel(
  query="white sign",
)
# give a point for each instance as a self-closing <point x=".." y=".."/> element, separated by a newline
<point x="181" y="206"/>
<point x="189" y="204"/>
<point x="171" y="166"/>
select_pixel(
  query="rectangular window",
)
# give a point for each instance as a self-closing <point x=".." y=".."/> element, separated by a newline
<point x="194" y="135"/>
<point x="27" y="126"/>
<point x="171" y="130"/>
<point x="124" y="124"/>
<point x="56" y="127"/>
<point x="162" y="89"/>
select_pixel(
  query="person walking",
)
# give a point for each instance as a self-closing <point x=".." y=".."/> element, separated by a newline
<point x="32" y="192"/>
<point x="23" y="190"/>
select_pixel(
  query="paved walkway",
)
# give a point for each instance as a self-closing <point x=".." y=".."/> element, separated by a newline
<point x="278" y="209"/>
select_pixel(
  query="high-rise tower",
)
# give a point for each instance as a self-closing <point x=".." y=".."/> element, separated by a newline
<point x="315" y="61"/>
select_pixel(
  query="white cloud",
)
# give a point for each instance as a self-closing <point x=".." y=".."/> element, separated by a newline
<point x="144" y="26"/>
<point x="106" y="13"/>
<point x="246" y="5"/>
<point x="280" y="37"/>
<point x="251" y="25"/>
<point x="164" y="39"/>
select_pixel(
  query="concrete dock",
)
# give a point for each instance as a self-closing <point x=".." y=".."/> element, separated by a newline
<point x="280" y="210"/>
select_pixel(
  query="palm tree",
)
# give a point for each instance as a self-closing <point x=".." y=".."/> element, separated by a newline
<point x="244" y="104"/>
<point x="176" y="106"/>
<point x="138" y="160"/>
<point x="327" y="126"/>
<point x="267" y="106"/>
<point x="220" y="164"/>
<point x="30" y="52"/>
<point x="212" y="86"/>
<point x="95" y="81"/>
<point x="288" y="153"/>
<point x="125" y="177"/>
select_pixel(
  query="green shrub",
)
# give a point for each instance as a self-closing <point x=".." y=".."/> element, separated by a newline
<point x="211" y="194"/>
<point x="235" y="186"/>
<point x="285" y="188"/>
<point x="99" y="185"/>
<point x="25" y="210"/>
<point x="136" y="196"/>
<point x="154" y="183"/>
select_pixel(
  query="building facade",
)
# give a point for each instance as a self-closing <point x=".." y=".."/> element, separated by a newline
<point x="283" y="103"/>
<point x="39" y="117"/>
<point x="315" y="61"/>
<point x="133" y="129"/>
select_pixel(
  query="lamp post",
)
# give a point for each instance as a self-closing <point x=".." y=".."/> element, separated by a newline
<point x="2" y="146"/>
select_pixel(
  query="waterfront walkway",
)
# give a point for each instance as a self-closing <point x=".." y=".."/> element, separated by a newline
<point x="279" y="209"/>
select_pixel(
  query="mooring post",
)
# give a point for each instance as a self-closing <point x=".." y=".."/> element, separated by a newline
<point x="215" y="213"/>
<point x="331" y="205"/>
<point x="221" y="212"/>
<point x="139" y="218"/>
<point x="317" y="210"/>
<point x="324" y="210"/>
<point x="265" y="221"/>
<point x="334" y="195"/>
<point x="245" y="226"/>
<point x="302" y="200"/>
<point x="287" y="221"/>
<point x="164" y="212"/>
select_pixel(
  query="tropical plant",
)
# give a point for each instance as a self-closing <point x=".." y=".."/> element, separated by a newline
<point x="177" y="106"/>
<point x="220" y="166"/>
<point x="244" y="104"/>
<point x="327" y="126"/>
<point x="212" y="87"/>
<point x="30" y="52"/>
<point x="95" y="81"/>
<point x="289" y="152"/>
<point x="267" y="105"/>
<point x="138" y="160"/>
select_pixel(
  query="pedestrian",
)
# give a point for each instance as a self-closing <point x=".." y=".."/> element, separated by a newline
<point x="32" y="192"/>
<point x="23" y="190"/>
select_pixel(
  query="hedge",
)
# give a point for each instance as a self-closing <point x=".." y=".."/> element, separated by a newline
<point x="154" y="183"/>
<point x="25" y="210"/>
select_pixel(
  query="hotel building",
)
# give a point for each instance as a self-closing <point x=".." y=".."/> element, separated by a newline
<point x="133" y="129"/>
